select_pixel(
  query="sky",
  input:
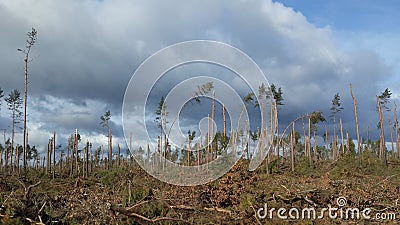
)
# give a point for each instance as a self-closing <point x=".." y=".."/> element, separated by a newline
<point x="87" y="52"/>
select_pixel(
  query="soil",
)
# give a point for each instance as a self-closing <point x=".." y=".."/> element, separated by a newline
<point x="128" y="195"/>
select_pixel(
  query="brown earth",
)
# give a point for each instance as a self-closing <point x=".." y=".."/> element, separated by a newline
<point x="129" y="196"/>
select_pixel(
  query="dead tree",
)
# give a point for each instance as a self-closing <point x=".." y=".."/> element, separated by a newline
<point x="71" y="147"/>
<point x="396" y="124"/>
<point x="86" y="160"/>
<point x="48" y="158"/>
<point x="382" y="149"/>
<point x="391" y="136"/>
<point x="119" y="156"/>
<point x="164" y="120"/>
<point x="357" y="129"/>
<point x="309" y="141"/>
<point x="224" y="118"/>
<point x="76" y="139"/>
<point x="341" y="133"/>
<point x="212" y="125"/>
<point x="208" y="139"/>
<point x="304" y="136"/>
<point x="91" y="157"/>
<point x="54" y="154"/>
<point x="293" y="141"/>
<point x="130" y="147"/>
<point x="326" y="137"/>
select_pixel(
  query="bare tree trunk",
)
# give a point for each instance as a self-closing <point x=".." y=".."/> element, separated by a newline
<point x="270" y="142"/>
<point x="7" y="159"/>
<point x="309" y="140"/>
<point x="224" y="118"/>
<point x="37" y="162"/>
<point x="212" y="125"/>
<point x="396" y="124"/>
<point x="165" y="138"/>
<point x="130" y="145"/>
<point x="382" y="149"/>
<point x="304" y="136"/>
<point x="119" y="156"/>
<point x="348" y="140"/>
<point x="391" y="137"/>
<point x="61" y="162"/>
<point x="54" y="154"/>
<point x="188" y="151"/>
<point x="91" y="158"/>
<point x="44" y="159"/>
<point x="261" y="142"/>
<point x="201" y="147"/>
<point x="357" y="129"/>
<point x="76" y="152"/>
<point x="276" y="126"/>
<point x="198" y="155"/>
<point x="334" y="153"/>
<point x="268" y="159"/>
<point x="148" y="154"/>
<point x="12" y="140"/>
<point x="326" y="137"/>
<point x="16" y="163"/>
<point x="315" y="144"/>
<point x="86" y="159"/>
<point x="208" y="139"/>
<point x="48" y="158"/>
<point x="1" y="159"/>
<point x="6" y="151"/>
<point x="159" y="142"/>
<point x="368" y="145"/>
<point x="292" y="142"/>
<point x="25" y="104"/>
<point x="110" y="158"/>
<point x="71" y="147"/>
<point x="341" y="133"/>
<point x="232" y="142"/>
<point x="103" y="160"/>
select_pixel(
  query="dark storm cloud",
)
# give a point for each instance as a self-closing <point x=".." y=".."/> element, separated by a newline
<point x="88" y="50"/>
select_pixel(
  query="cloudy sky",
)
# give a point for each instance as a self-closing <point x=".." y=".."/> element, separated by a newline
<point x="88" y="50"/>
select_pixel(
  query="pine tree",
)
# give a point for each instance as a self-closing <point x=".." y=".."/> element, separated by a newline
<point x="32" y="37"/>
<point x="336" y="108"/>
<point x="105" y="123"/>
<point x="14" y="103"/>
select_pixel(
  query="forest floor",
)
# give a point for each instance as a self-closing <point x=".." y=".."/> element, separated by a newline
<point x="128" y="195"/>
